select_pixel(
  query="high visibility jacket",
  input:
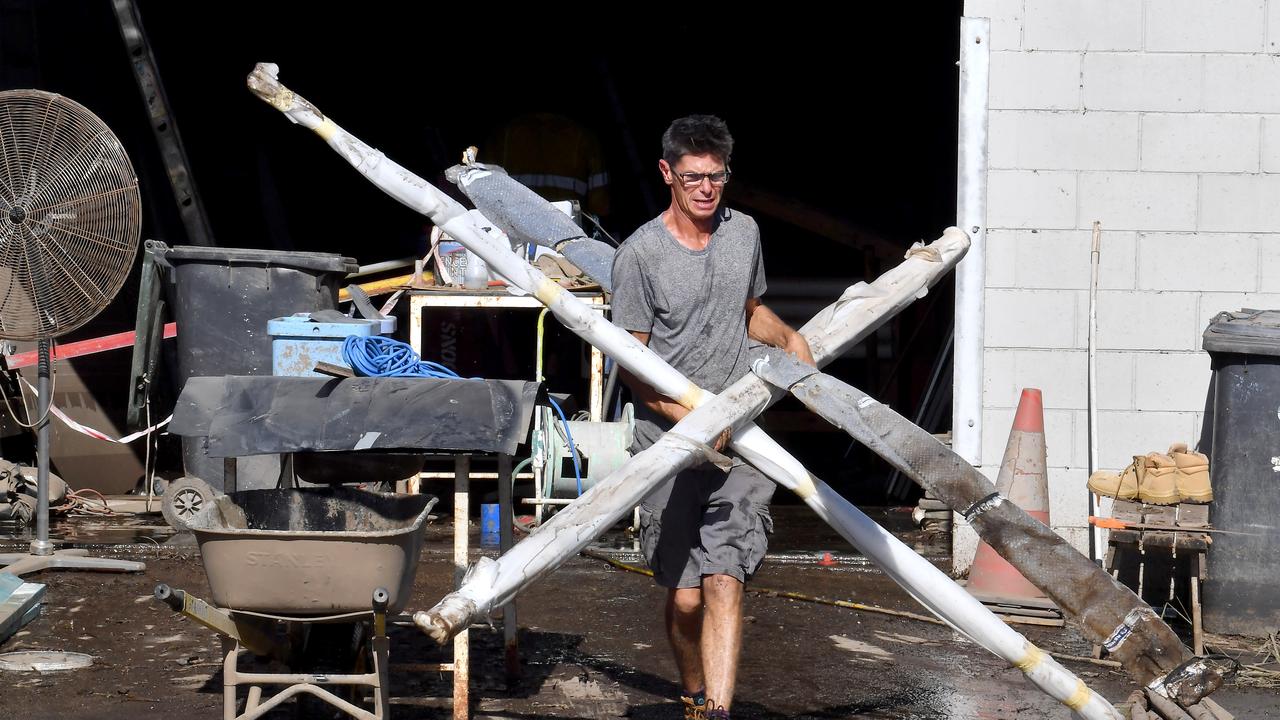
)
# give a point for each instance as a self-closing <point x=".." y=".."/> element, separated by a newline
<point x="554" y="156"/>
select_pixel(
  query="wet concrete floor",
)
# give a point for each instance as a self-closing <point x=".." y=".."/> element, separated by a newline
<point x="590" y="642"/>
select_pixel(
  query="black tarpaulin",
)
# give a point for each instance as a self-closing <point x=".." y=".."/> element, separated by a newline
<point x="244" y="415"/>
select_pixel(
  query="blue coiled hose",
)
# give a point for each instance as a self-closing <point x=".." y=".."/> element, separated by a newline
<point x="378" y="356"/>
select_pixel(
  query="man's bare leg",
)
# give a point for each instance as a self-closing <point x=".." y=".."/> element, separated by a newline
<point x="721" y="637"/>
<point x="684" y="630"/>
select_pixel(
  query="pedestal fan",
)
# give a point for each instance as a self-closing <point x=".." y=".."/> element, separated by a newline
<point x="70" y="218"/>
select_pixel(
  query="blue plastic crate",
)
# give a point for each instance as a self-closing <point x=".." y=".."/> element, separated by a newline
<point x="298" y="343"/>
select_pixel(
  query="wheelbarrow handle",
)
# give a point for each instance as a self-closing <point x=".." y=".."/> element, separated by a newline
<point x="380" y="600"/>
<point x="172" y="597"/>
<point x="246" y="631"/>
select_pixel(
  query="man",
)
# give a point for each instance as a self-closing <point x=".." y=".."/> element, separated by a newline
<point x="688" y="285"/>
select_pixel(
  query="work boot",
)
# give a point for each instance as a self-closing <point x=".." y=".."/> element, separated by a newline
<point x="1122" y="485"/>
<point x="1192" y="474"/>
<point x="1158" y="486"/>
<point x="695" y="706"/>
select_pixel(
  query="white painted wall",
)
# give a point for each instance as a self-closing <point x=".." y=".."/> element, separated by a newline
<point x="1161" y="120"/>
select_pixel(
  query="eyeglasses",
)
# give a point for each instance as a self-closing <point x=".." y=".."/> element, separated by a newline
<point x="693" y="179"/>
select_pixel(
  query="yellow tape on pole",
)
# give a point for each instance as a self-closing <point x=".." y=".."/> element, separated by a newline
<point x="1079" y="697"/>
<point x="326" y="129"/>
<point x="1029" y="661"/>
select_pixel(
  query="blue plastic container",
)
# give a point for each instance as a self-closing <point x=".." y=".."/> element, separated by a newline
<point x="490" y="524"/>
<point x="298" y="343"/>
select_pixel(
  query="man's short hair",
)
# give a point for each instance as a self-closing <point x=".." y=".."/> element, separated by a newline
<point x="696" y="135"/>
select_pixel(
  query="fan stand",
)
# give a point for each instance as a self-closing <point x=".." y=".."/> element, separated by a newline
<point x="42" y="556"/>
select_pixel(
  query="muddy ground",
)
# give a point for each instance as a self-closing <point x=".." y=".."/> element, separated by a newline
<point x="590" y="642"/>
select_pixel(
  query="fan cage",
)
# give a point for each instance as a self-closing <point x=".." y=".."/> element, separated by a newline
<point x="70" y="215"/>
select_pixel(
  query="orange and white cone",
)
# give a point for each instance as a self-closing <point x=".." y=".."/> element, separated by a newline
<point x="1023" y="481"/>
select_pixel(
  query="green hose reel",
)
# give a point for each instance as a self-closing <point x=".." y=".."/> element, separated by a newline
<point x="602" y="448"/>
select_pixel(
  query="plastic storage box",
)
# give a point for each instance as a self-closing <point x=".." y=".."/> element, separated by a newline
<point x="298" y="343"/>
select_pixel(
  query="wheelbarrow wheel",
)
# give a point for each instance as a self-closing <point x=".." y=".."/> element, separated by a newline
<point x="183" y="499"/>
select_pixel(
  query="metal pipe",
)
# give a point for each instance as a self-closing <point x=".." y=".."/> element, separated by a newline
<point x="385" y="265"/>
<point x="378" y="287"/>
<point x="41" y="545"/>
<point x="230" y="679"/>
<point x="506" y="537"/>
<point x="295" y="678"/>
<point x="1095" y="257"/>
<point x="538" y="441"/>
<point x="461" y="641"/>
<point x="474" y="475"/>
<point x="381" y="647"/>
<point x="542" y="328"/>
<point x="971" y="205"/>
<point x="610" y="386"/>
<point x="596" y="388"/>
<point x="288" y="693"/>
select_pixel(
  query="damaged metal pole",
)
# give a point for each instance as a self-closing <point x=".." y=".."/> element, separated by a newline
<point x="1108" y="612"/>
<point x="829" y="334"/>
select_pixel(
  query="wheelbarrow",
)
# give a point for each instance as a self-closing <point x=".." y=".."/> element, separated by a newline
<point x="291" y="571"/>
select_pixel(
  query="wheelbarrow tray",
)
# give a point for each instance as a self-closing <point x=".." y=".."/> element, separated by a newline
<point x="316" y="551"/>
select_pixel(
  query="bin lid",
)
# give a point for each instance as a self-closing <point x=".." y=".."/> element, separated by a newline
<point x="313" y="261"/>
<point x="1247" y="331"/>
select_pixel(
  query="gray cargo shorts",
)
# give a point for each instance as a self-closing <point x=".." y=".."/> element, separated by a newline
<point x="705" y="521"/>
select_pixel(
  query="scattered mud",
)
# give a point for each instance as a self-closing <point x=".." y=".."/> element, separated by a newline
<point x="590" y="641"/>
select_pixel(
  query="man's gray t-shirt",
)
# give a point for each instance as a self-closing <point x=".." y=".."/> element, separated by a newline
<point x="691" y="302"/>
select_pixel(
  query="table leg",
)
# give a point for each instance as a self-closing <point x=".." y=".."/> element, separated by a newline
<point x="461" y="646"/>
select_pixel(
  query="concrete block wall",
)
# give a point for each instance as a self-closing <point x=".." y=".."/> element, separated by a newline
<point x="1161" y="120"/>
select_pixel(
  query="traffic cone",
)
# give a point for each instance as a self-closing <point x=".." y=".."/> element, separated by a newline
<point x="1022" y="480"/>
